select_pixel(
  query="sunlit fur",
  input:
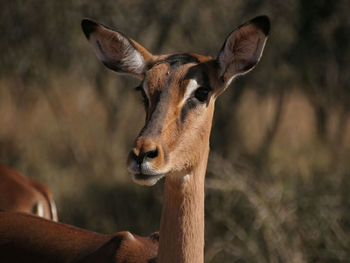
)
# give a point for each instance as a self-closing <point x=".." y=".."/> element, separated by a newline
<point x="164" y="126"/>
<point x="174" y="142"/>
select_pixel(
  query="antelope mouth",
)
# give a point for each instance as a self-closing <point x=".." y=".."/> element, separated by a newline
<point x="146" y="179"/>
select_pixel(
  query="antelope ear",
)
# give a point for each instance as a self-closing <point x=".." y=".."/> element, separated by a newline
<point x="243" y="48"/>
<point x="115" y="50"/>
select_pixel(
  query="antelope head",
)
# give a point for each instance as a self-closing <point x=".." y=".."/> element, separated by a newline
<point x="179" y="93"/>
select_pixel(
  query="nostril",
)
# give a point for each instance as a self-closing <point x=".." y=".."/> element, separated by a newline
<point x="135" y="157"/>
<point x="152" y="154"/>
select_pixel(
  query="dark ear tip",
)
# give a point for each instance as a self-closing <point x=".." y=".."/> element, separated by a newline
<point x="262" y="22"/>
<point x="88" y="27"/>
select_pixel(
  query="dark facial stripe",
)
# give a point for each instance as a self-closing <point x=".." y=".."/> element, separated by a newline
<point x="155" y="120"/>
<point x="200" y="73"/>
<point x="204" y="81"/>
<point x="190" y="104"/>
<point x="180" y="59"/>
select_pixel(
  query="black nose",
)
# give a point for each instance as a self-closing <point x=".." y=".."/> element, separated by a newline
<point x="151" y="154"/>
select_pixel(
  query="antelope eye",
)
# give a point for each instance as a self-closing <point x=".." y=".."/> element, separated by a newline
<point x="201" y="94"/>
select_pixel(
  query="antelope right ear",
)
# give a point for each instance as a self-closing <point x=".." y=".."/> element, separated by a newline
<point x="242" y="49"/>
<point x="115" y="50"/>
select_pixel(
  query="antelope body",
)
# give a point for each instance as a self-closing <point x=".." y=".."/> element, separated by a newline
<point x="31" y="239"/>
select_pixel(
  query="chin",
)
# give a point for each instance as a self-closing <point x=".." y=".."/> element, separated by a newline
<point x="148" y="180"/>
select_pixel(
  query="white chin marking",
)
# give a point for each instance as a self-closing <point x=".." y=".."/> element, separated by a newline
<point x="148" y="180"/>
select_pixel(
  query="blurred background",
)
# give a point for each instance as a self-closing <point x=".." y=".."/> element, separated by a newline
<point x="278" y="181"/>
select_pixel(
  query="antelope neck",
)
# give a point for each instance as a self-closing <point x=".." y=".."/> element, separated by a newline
<point x="182" y="223"/>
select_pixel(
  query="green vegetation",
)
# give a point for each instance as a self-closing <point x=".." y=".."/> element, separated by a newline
<point x="279" y="173"/>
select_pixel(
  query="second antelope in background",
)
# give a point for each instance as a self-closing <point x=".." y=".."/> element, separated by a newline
<point x="21" y="194"/>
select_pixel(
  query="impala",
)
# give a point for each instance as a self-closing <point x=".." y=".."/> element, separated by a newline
<point x="179" y="91"/>
<point x="31" y="239"/>
<point x="22" y="194"/>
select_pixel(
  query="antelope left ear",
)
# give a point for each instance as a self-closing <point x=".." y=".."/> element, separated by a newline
<point x="115" y="50"/>
<point x="242" y="49"/>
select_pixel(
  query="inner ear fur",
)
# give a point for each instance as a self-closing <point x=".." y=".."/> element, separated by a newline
<point x="243" y="48"/>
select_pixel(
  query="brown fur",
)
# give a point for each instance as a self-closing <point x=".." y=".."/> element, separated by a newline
<point x="26" y="238"/>
<point x="22" y="194"/>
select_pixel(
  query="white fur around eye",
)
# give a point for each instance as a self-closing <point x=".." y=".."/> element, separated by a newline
<point x="191" y="87"/>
